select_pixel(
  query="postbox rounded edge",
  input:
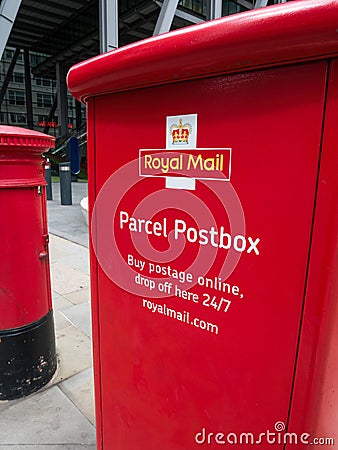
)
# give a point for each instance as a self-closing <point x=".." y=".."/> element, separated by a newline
<point x="303" y="30"/>
<point x="16" y="137"/>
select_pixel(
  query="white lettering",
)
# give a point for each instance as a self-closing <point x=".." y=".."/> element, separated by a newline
<point x="212" y="236"/>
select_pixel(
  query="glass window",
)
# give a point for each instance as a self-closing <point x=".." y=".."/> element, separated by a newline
<point x="20" y="98"/>
<point x="16" y="98"/>
<point x="44" y="100"/>
<point x="36" y="58"/>
<point x="197" y="6"/>
<point x="33" y="59"/>
<point x="17" y="77"/>
<point x="9" y="54"/>
<point x="70" y="102"/>
<point x="17" y="118"/>
<point x="21" y="118"/>
<point x="11" y="97"/>
<point x="45" y="82"/>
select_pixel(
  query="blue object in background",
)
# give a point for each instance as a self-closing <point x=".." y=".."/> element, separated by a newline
<point x="74" y="155"/>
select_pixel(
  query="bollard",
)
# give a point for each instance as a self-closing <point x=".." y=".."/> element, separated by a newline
<point x="49" y="187"/>
<point x="65" y="183"/>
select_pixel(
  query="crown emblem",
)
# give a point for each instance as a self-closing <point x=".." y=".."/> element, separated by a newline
<point x="180" y="133"/>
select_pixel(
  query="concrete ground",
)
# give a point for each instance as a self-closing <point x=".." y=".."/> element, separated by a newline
<point x="61" y="415"/>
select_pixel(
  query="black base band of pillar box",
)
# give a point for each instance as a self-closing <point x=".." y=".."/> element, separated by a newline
<point x="27" y="358"/>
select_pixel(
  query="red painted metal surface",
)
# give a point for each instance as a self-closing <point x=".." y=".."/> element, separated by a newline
<point x="260" y="358"/>
<point x="161" y="382"/>
<point x="316" y="378"/>
<point x="241" y="42"/>
<point x="92" y="193"/>
<point x="24" y="274"/>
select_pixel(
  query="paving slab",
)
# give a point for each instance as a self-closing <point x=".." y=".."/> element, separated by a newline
<point x="66" y="278"/>
<point x="74" y="350"/>
<point x="59" y="248"/>
<point x="81" y="295"/>
<point x="78" y="259"/>
<point x="48" y="417"/>
<point x="67" y="220"/>
<point x="70" y="253"/>
<point x="60" y="303"/>
<point x="79" y="389"/>
<point x="55" y="295"/>
<point x="79" y="316"/>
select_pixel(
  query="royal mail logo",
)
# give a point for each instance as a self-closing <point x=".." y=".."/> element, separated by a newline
<point x="200" y="163"/>
<point x="181" y="163"/>
<point x="180" y="133"/>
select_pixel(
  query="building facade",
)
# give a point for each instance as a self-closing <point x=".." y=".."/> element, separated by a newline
<point x="13" y="110"/>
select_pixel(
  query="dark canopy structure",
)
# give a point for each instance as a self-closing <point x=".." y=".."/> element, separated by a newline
<point x="61" y="33"/>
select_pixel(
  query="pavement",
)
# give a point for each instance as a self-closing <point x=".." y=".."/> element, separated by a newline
<point x="61" y="415"/>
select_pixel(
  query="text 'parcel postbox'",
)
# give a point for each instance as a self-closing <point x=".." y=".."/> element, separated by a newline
<point x="212" y="156"/>
<point x="27" y="342"/>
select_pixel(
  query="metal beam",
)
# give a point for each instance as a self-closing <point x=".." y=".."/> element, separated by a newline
<point x="61" y="90"/>
<point x="261" y="4"/>
<point x="57" y="5"/>
<point x="183" y="14"/>
<point x="78" y="114"/>
<point x="214" y="9"/>
<point x="8" y="12"/>
<point x="109" y="25"/>
<point x="165" y="17"/>
<point x="26" y="18"/>
<point x="24" y="27"/>
<point x="245" y="3"/>
<point x="188" y="17"/>
<point x="28" y="90"/>
<point x="51" y="115"/>
<point x="8" y="75"/>
<point x="52" y="60"/>
<point x="53" y="15"/>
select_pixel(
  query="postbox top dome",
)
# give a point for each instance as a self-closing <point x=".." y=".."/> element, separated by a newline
<point x="296" y="31"/>
<point x="16" y="137"/>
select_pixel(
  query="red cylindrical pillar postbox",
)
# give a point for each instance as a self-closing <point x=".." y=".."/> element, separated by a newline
<point x="27" y="340"/>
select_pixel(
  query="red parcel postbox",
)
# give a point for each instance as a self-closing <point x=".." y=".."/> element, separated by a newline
<point x="212" y="157"/>
<point x="27" y="342"/>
